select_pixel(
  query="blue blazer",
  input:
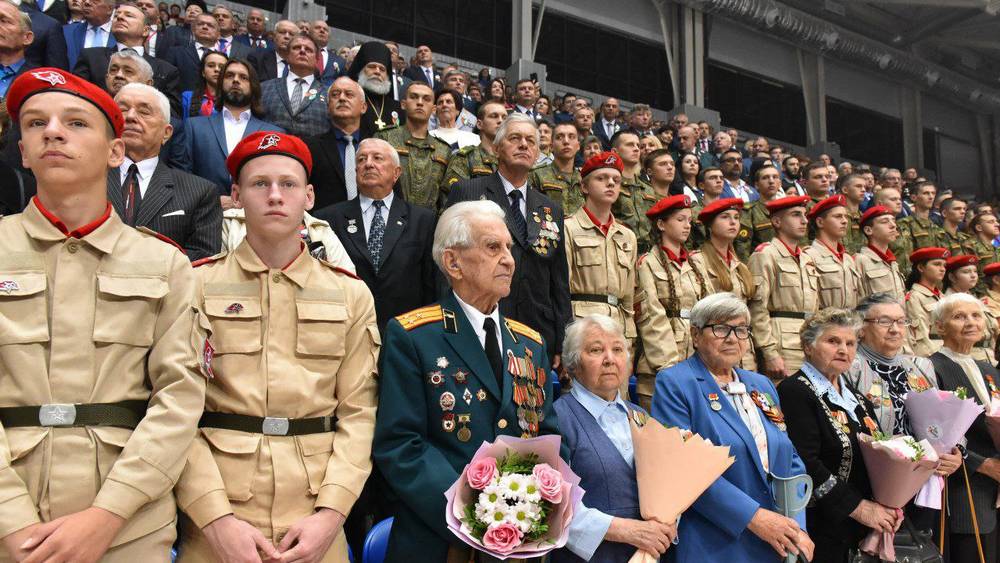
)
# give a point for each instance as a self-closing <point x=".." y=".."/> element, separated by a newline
<point x="76" y="34"/>
<point x="716" y="523"/>
<point x="335" y="67"/>
<point x="203" y="142"/>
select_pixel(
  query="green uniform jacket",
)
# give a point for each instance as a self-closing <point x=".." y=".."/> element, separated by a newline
<point x="468" y="162"/>
<point x="755" y="229"/>
<point x="959" y="243"/>
<point x="855" y="240"/>
<point x="424" y="162"/>
<point x="432" y="367"/>
<point x="987" y="254"/>
<point x="914" y="233"/>
<point x="561" y="188"/>
<point x="635" y="199"/>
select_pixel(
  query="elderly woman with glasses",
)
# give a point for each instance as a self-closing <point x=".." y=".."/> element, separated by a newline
<point x="735" y="519"/>
<point x="594" y="422"/>
<point x="825" y="414"/>
<point x="960" y="320"/>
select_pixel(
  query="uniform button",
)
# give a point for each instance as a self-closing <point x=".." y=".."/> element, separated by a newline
<point x="276" y="278"/>
<point x="502" y="423"/>
<point x="72" y="247"/>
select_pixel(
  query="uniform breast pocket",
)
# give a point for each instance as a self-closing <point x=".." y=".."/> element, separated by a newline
<point x="878" y="278"/>
<point x="624" y="250"/>
<point x="322" y="328"/>
<point x="236" y="325"/>
<point x="126" y="308"/>
<point x="830" y="276"/>
<point x="588" y="251"/>
<point x="23" y="310"/>
<point x="788" y="275"/>
<point x="235" y="455"/>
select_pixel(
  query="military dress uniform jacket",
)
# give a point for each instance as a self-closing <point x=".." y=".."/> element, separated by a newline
<point x="755" y="229"/>
<point x="920" y="302"/>
<point x="424" y="162"/>
<point x="561" y="187"/>
<point x="467" y="162"/>
<point x="634" y="200"/>
<point x="438" y="402"/>
<point x="299" y="342"/>
<point x="786" y="292"/>
<point x="879" y="276"/>
<point x="836" y="275"/>
<point x="102" y="314"/>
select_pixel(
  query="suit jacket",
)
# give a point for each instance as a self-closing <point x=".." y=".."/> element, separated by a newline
<point x="188" y="63"/>
<point x="178" y="205"/>
<point x="76" y="35"/>
<point x="48" y="48"/>
<point x="327" y="176"/>
<point x="716" y="523"/>
<point x="265" y="63"/>
<point x="414" y="72"/>
<point x="407" y="273"/>
<point x="56" y="9"/>
<point x="92" y="65"/>
<point x="175" y="36"/>
<point x="204" y="150"/>
<point x="539" y="292"/>
<point x="335" y="67"/>
<point x="244" y="38"/>
<point x="417" y="443"/>
<point x="598" y="131"/>
<point x="238" y="50"/>
<point x="311" y="117"/>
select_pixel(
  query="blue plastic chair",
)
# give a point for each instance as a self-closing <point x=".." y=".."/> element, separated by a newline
<point x="376" y="542"/>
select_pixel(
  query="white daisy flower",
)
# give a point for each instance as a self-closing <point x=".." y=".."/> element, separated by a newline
<point x="492" y="492"/>
<point x="513" y="486"/>
<point x="496" y="516"/>
<point x="520" y="516"/>
<point x="532" y="493"/>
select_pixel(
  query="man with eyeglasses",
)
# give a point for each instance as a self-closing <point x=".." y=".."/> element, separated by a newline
<point x="731" y="165"/>
<point x="876" y="262"/>
<point x="786" y="289"/>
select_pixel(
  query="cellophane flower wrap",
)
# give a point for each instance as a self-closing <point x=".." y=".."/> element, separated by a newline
<point x="993" y="421"/>
<point x="897" y="468"/>
<point x="515" y="498"/>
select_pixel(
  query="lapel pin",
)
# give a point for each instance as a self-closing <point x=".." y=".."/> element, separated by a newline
<point x="234" y="309"/>
<point x="8" y="286"/>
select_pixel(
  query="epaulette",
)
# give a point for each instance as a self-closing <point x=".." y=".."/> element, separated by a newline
<point x="642" y="258"/>
<point x="420" y="317"/>
<point x="340" y="270"/>
<point x="162" y="237"/>
<point x="907" y="296"/>
<point x="209" y="259"/>
<point x="465" y="151"/>
<point x="440" y="141"/>
<point x="760" y="247"/>
<point x="524" y="330"/>
<point x="539" y="167"/>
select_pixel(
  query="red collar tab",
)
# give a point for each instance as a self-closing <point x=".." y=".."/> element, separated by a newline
<point x="888" y="257"/>
<point x="604" y="227"/>
<point x="76" y="233"/>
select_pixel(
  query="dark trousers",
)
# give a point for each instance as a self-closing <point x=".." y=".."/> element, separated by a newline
<point x="961" y="548"/>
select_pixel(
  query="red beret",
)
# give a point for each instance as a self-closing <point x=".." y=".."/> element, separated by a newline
<point x="929" y="253"/>
<point x="992" y="269"/>
<point x="263" y="143"/>
<point x="607" y="159"/>
<point x="718" y="206"/>
<point x="784" y="203"/>
<point x="827" y="204"/>
<point x="961" y="261"/>
<point x="875" y="211"/>
<point x="42" y="80"/>
<point x="670" y="202"/>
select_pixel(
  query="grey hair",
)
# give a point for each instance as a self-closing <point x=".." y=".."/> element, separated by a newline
<point x="514" y="118"/>
<point x="943" y="307"/>
<point x="874" y="300"/>
<point x="385" y="144"/>
<point x="718" y="307"/>
<point x="828" y="318"/>
<point x="145" y="69"/>
<point x="577" y="330"/>
<point x="161" y="100"/>
<point x="22" y="17"/>
<point x="454" y="227"/>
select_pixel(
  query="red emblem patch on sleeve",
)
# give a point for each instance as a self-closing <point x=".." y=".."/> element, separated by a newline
<point x="206" y="360"/>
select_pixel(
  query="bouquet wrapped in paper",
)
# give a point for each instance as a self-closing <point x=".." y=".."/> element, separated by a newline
<point x="941" y="418"/>
<point x="673" y="468"/>
<point x="897" y="468"/>
<point x="515" y="498"/>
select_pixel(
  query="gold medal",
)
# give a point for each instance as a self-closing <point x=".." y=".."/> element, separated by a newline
<point x="464" y="435"/>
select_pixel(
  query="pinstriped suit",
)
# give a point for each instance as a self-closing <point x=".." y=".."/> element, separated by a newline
<point x="178" y="205"/>
<point x="310" y="119"/>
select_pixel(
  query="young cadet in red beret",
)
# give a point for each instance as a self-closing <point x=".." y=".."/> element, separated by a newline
<point x="670" y="283"/>
<point x="836" y="271"/>
<point x="963" y="277"/>
<point x="876" y="263"/>
<point x="785" y="279"/>
<point x="600" y="251"/>
<point x="927" y="273"/>
<point x="100" y="346"/>
<point x="285" y="442"/>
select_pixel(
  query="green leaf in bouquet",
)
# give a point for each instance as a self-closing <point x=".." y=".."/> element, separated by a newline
<point x="477" y="528"/>
<point x="513" y="462"/>
<point x="962" y="393"/>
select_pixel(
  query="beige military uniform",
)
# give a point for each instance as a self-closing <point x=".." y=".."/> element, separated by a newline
<point x="924" y="337"/>
<point x="878" y="276"/>
<point x="103" y="317"/>
<point x="669" y="292"/>
<point x="785" y="294"/>
<point x="836" y="276"/>
<point x="749" y="361"/>
<point x="234" y="230"/>
<point x="300" y="342"/>
<point x="987" y="351"/>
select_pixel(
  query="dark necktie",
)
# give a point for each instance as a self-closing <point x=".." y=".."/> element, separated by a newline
<point x="131" y="193"/>
<point x="493" y="350"/>
<point x="516" y="218"/>
<point x="376" y="234"/>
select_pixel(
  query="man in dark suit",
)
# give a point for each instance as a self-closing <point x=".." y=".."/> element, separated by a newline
<point x="187" y="58"/>
<point x="606" y="127"/>
<point x="146" y="193"/>
<point x="273" y="63"/>
<point x="424" y="69"/>
<point x="539" y="293"/>
<point x="55" y="9"/>
<point x="179" y="36"/>
<point x="297" y="102"/>
<point x="255" y="37"/>
<point x="329" y="65"/>
<point x="227" y="29"/>
<point x="49" y="46"/>
<point x="94" y="31"/>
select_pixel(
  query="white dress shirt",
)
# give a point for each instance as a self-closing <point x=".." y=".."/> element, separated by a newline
<point x="235" y="127"/>
<point x="609" y="127"/>
<point x="477" y="318"/>
<point x="509" y="187"/>
<point x="154" y="35"/>
<point x="429" y="73"/>
<point x="146" y="169"/>
<point x="290" y="82"/>
<point x="139" y="49"/>
<point x="280" y="65"/>
<point x="88" y="39"/>
<point x="368" y="211"/>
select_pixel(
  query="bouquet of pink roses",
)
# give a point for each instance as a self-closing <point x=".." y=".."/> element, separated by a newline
<point x="515" y="498"/>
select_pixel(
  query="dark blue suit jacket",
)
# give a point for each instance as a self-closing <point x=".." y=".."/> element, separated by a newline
<point x="49" y="46"/>
<point x="203" y="148"/>
<point x="716" y="522"/>
<point x="335" y="67"/>
<point x="245" y="39"/>
<point x="76" y="34"/>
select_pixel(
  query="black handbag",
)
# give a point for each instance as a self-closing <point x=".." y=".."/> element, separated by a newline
<point x="912" y="546"/>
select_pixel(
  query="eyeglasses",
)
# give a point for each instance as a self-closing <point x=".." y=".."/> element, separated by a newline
<point x="723" y="331"/>
<point x="886" y="322"/>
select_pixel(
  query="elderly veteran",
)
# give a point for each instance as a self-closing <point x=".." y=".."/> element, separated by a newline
<point x="594" y="421"/>
<point x="960" y="320"/>
<point x="453" y="375"/>
<point x="963" y="277"/>
<point x="735" y="519"/>
<point x="670" y="284"/>
<point x="825" y="414"/>
<point x="926" y="274"/>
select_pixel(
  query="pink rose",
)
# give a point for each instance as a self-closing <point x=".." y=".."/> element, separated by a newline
<point x="549" y="482"/>
<point x="481" y="472"/>
<point x="502" y="538"/>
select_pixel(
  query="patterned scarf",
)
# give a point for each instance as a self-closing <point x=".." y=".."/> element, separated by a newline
<point x="894" y="377"/>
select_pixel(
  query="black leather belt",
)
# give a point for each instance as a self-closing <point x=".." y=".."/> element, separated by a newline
<point x="787" y="315"/>
<point x="595" y="298"/>
<point x="269" y="425"/>
<point x="123" y="414"/>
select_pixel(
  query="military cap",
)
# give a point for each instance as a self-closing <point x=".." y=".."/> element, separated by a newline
<point x="929" y="253"/>
<point x="718" y="206"/>
<point x="875" y="211"/>
<point x="781" y="204"/>
<point x="825" y="205"/>
<point x="670" y="202"/>
<point x="606" y="159"/>
<point x="961" y="261"/>
<point x="263" y="143"/>
<point x="42" y="80"/>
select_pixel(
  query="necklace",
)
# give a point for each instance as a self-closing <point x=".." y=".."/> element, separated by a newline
<point x="378" y="114"/>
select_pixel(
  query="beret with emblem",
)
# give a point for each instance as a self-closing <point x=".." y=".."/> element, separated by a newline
<point x="41" y="80"/>
<point x="873" y="212"/>
<point x="961" y="261"/>
<point x="827" y="204"/>
<point x="929" y="253"/>
<point x="670" y="202"/>
<point x="263" y="143"/>
<point x="783" y="203"/>
<point x="992" y="269"/>
<point x="718" y="206"/>
<point x="607" y="159"/>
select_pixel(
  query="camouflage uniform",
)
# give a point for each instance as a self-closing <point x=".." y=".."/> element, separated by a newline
<point x="755" y="229"/>
<point x="855" y="239"/>
<point x="987" y="254"/>
<point x="424" y="162"/>
<point x="468" y="162"/>
<point x="561" y="188"/>
<point x="959" y="243"/>
<point x="914" y="233"/>
<point x="630" y="208"/>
